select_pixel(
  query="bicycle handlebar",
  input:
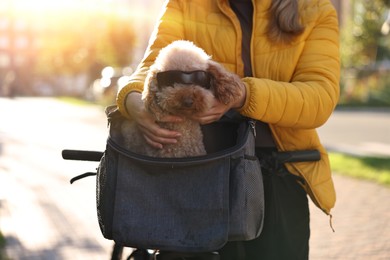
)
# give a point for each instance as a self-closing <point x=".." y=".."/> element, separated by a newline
<point x="297" y="156"/>
<point x="279" y="157"/>
<point x="81" y="155"/>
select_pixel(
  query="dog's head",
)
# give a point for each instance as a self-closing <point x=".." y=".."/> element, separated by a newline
<point x="184" y="80"/>
<point x="176" y="81"/>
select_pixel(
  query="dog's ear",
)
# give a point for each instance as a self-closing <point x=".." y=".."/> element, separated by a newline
<point x="226" y="85"/>
<point x="149" y="95"/>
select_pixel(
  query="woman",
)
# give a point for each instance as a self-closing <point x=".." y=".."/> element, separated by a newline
<point x="287" y="54"/>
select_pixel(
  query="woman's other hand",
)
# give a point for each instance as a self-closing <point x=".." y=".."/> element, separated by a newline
<point x="154" y="135"/>
<point x="218" y="109"/>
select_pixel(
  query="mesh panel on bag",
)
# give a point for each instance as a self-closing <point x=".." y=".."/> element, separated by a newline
<point x="105" y="191"/>
<point x="246" y="183"/>
<point x="247" y="205"/>
<point x="100" y="185"/>
<point x="254" y="190"/>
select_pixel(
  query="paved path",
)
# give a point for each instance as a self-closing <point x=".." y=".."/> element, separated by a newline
<point x="361" y="217"/>
<point x="43" y="217"/>
<point x="359" y="132"/>
<point x="361" y="220"/>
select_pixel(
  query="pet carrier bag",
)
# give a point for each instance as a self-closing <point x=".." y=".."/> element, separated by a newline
<point x="193" y="204"/>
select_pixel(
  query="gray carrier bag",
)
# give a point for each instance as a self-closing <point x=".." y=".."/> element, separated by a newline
<point x="194" y="204"/>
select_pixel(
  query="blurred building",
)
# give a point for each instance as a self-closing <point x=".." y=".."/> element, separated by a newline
<point x="16" y="53"/>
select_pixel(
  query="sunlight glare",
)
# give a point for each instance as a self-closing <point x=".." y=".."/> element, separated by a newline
<point x="51" y="5"/>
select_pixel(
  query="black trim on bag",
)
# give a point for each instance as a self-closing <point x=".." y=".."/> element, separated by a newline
<point x="185" y="161"/>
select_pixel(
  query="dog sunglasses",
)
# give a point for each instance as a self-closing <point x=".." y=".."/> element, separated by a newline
<point x="198" y="77"/>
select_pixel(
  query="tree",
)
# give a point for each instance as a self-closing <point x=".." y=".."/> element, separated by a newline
<point x="363" y="47"/>
<point x="361" y="39"/>
<point x="117" y="42"/>
<point x="386" y="2"/>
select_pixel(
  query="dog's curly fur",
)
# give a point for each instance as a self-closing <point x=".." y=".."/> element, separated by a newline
<point x="181" y="99"/>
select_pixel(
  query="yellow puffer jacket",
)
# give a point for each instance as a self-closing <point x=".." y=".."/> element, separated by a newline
<point x="295" y="87"/>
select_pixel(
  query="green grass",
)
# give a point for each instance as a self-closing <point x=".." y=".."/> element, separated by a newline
<point x="81" y="102"/>
<point x="369" y="168"/>
<point x="2" y="246"/>
<point x="75" y="101"/>
<point x="2" y="240"/>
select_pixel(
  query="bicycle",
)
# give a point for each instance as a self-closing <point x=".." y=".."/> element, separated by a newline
<point x="274" y="160"/>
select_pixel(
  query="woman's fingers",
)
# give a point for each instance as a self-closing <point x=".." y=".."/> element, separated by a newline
<point x="154" y="134"/>
<point x="213" y="114"/>
<point x="157" y="136"/>
<point x="153" y="143"/>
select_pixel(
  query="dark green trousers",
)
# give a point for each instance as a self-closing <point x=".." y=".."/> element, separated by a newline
<point x="286" y="229"/>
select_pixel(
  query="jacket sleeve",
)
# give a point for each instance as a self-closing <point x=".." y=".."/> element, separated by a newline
<point x="308" y="100"/>
<point x="169" y="28"/>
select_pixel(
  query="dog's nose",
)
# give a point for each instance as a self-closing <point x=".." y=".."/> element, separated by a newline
<point x="188" y="102"/>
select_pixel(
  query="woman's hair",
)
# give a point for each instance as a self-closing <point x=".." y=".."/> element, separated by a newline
<point x="285" y="23"/>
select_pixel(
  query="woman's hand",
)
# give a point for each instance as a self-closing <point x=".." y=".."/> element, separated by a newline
<point x="154" y="135"/>
<point x="218" y="109"/>
<point x="213" y="114"/>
